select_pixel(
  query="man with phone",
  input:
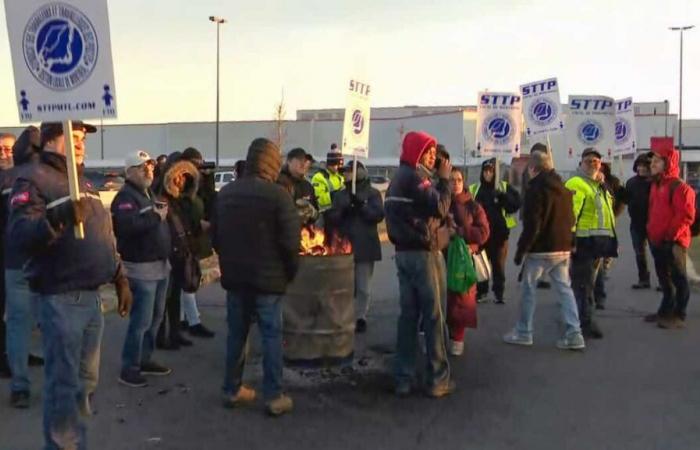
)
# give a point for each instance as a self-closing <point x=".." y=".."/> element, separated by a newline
<point x="143" y="240"/>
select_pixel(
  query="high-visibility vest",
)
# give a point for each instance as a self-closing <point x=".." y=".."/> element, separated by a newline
<point x="592" y="208"/>
<point x="325" y="183"/>
<point x="511" y="220"/>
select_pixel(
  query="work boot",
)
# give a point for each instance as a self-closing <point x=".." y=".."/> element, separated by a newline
<point x="441" y="390"/>
<point x="19" y="399"/>
<point x="671" y="323"/>
<point x="244" y="396"/>
<point x="201" y="331"/>
<point x="592" y="330"/>
<point x="281" y="405"/>
<point x="642" y="285"/>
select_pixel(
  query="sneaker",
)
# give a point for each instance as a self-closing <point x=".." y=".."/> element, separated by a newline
<point x="652" y="318"/>
<point x="572" y="342"/>
<point x="19" y="399"/>
<point x="516" y="338"/>
<point x="281" y="405"/>
<point x="402" y="390"/>
<point x="201" y="331"/>
<point x="544" y="285"/>
<point x="499" y="301"/>
<point x="642" y="285"/>
<point x="456" y="348"/>
<point x="155" y="369"/>
<point x="360" y="325"/>
<point x="35" y="361"/>
<point x="441" y="390"/>
<point x="592" y="330"/>
<point x="132" y="378"/>
<point x="245" y="395"/>
<point x="482" y="299"/>
<point x="671" y="323"/>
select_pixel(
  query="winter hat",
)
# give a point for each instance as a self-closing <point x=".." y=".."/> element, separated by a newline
<point x="361" y="171"/>
<point x="414" y="145"/>
<point x="643" y="160"/>
<point x="263" y="159"/>
<point x="23" y="149"/>
<point x="193" y="155"/>
<point x="334" y="156"/>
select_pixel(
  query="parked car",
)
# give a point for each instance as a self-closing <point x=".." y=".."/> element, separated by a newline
<point x="221" y="179"/>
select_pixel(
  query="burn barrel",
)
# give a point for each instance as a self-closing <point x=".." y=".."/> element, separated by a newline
<point x="319" y="313"/>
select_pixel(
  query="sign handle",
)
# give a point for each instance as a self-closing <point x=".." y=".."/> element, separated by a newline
<point x="551" y="152"/>
<point x="497" y="173"/>
<point x="73" y="185"/>
<point x="354" y="174"/>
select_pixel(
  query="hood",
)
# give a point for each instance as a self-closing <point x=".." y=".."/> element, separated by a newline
<point x="641" y="159"/>
<point x="414" y="144"/>
<point x="672" y="158"/>
<point x="599" y="179"/>
<point x="488" y="162"/>
<point x="549" y="180"/>
<point x="23" y="151"/>
<point x="175" y="169"/>
<point x="263" y="160"/>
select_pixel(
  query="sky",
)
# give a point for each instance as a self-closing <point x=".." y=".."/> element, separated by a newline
<point x="412" y="52"/>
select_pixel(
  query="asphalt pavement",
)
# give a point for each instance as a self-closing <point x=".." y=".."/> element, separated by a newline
<point x="638" y="388"/>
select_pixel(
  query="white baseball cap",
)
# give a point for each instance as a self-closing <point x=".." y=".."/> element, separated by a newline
<point x="137" y="158"/>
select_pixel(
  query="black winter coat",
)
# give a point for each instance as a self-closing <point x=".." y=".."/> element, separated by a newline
<point x="59" y="262"/>
<point x="141" y="235"/>
<point x="358" y="220"/>
<point x="256" y="232"/>
<point x="548" y="216"/>
<point x="299" y="188"/>
<point x="637" y="192"/>
<point x="494" y="203"/>
<point x="415" y="210"/>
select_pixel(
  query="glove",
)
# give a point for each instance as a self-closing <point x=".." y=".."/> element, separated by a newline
<point x="68" y="213"/>
<point x="356" y="202"/>
<point x="124" y="296"/>
<point x="518" y="259"/>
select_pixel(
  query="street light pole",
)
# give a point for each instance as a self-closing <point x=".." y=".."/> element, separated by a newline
<point x="680" y="94"/>
<point x="218" y="21"/>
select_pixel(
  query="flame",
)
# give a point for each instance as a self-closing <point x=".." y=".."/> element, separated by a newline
<point x="313" y="243"/>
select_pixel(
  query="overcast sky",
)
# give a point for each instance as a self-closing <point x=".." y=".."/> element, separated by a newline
<point x="413" y="52"/>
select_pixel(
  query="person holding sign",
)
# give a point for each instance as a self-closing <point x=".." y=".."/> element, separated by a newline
<point x="66" y="272"/>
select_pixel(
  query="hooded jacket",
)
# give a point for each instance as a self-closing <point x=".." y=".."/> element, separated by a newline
<point x="548" y="216"/>
<point x="256" y="229"/>
<point x="470" y="220"/>
<point x="496" y="203"/>
<point x="414" y="207"/>
<point x="670" y="217"/>
<point x="637" y="191"/>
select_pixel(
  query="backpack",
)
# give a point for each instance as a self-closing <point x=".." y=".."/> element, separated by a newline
<point x="695" y="226"/>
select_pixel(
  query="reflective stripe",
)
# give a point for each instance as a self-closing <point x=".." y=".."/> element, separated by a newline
<point x="146" y="209"/>
<point x="62" y="200"/>
<point x="596" y="232"/>
<point x="398" y="199"/>
<point x="6" y="191"/>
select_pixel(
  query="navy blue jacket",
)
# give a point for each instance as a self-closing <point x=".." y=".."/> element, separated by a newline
<point x="58" y="262"/>
<point x="415" y="210"/>
<point x="141" y="235"/>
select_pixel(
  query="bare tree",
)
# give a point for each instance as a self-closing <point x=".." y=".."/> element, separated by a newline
<point x="279" y="132"/>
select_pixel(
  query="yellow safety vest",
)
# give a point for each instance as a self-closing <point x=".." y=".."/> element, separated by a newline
<point x="325" y="183"/>
<point x="592" y="208"/>
<point x="511" y="221"/>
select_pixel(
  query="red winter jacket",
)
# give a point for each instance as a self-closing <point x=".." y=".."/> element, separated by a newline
<point x="670" y="219"/>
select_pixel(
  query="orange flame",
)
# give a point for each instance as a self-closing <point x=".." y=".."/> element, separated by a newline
<point x="313" y="243"/>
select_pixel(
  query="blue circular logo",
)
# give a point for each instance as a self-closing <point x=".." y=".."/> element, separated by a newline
<point x="590" y="132"/>
<point x="543" y="111"/>
<point x="622" y="131"/>
<point x="498" y="128"/>
<point x="358" y="122"/>
<point x="60" y="46"/>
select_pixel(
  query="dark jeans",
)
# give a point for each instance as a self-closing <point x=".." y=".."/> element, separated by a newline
<point x="599" y="293"/>
<point x="170" y="328"/>
<point x="497" y="253"/>
<point x="584" y="270"/>
<point x="669" y="261"/>
<point x="3" y="345"/>
<point x="422" y="284"/>
<point x="639" y="242"/>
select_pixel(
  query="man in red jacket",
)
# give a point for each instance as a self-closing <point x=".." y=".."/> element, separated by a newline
<point x="671" y="212"/>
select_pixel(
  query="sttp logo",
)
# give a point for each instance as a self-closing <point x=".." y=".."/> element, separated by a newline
<point x="498" y="128"/>
<point x="622" y="131"/>
<point x="538" y="88"/>
<point x="590" y="132"/>
<point x="596" y="104"/>
<point x="358" y="122"/>
<point x="499" y="100"/>
<point x="543" y="111"/>
<point x="60" y="46"/>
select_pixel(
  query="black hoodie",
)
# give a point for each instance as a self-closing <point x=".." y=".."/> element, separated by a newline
<point x="548" y="216"/>
<point x="495" y="202"/>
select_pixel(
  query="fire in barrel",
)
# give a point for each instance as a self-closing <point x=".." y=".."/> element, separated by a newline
<point x="319" y="315"/>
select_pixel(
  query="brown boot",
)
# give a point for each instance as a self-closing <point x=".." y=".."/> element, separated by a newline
<point x="671" y="323"/>
<point x="280" y="405"/>
<point x="244" y="396"/>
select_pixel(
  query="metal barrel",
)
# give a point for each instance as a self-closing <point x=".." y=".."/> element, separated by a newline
<point x="319" y="312"/>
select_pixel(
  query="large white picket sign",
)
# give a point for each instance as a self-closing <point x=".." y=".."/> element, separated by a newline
<point x="625" y="127"/>
<point x="591" y="123"/>
<point x="542" y="108"/>
<point x="356" y="122"/>
<point x="498" y="124"/>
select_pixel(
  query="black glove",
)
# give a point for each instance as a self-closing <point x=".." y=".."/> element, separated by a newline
<point x="68" y="213"/>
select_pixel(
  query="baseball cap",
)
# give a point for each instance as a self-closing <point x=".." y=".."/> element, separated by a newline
<point x="591" y="151"/>
<point x="52" y="130"/>
<point x="137" y="158"/>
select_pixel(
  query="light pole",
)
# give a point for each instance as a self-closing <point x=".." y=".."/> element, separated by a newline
<point x="680" y="94"/>
<point x="218" y="21"/>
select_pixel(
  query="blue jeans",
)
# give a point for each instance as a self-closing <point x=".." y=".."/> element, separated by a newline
<point x="241" y="306"/>
<point x="22" y="307"/>
<point x="422" y="284"/>
<point x="71" y="327"/>
<point x="144" y="320"/>
<point x="557" y="267"/>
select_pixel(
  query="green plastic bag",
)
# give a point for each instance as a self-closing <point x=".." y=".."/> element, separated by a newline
<point x="460" y="267"/>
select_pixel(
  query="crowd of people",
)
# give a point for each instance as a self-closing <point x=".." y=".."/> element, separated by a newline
<point x="167" y="219"/>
